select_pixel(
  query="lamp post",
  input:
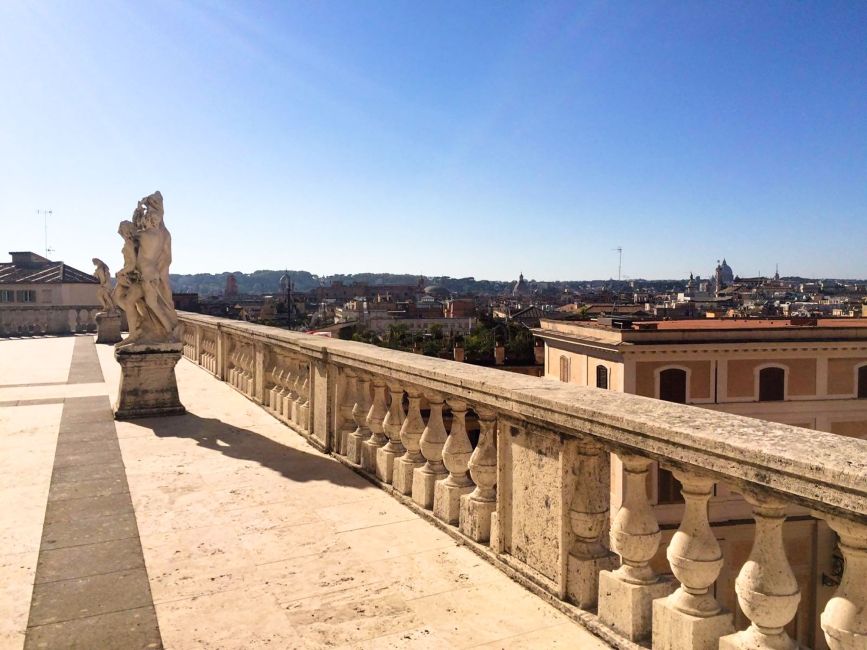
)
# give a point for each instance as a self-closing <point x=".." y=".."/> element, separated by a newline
<point x="286" y="285"/>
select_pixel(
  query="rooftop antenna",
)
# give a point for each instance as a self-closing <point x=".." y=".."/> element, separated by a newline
<point x="45" y="214"/>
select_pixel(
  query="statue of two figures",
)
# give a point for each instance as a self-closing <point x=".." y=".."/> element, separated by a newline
<point x="148" y="355"/>
<point x="143" y="290"/>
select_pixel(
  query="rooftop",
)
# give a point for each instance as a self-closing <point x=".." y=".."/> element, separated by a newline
<point x="219" y="528"/>
<point x="29" y="268"/>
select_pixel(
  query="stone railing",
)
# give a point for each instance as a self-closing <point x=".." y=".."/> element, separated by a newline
<point x="39" y="320"/>
<point x="518" y="468"/>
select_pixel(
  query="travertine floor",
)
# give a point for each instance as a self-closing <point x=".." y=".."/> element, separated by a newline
<point x="250" y="537"/>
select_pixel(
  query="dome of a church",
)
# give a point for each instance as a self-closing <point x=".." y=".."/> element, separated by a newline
<point x="521" y="287"/>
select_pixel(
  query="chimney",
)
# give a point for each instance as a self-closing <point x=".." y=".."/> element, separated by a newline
<point x="459" y="351"/>
<point x="539" y="352"/>
<point x="499" y="353"/>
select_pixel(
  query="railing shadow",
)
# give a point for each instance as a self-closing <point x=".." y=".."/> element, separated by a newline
<point x="244" y="444"/>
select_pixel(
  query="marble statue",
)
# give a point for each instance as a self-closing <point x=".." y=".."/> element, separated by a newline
<point x="104" y="293"/>
<point x="143" y="290"/>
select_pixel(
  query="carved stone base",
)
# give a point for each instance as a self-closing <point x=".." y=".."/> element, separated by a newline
<point x="447" y="501"/>
<point x="423" y="483"/>
<point x="476" y="518"/>
<point x="368" y="455"/>
<point x="385" y="463"/>
<point x="627" y="608"/>
<point x="675" y="630"/>
<point x="582" y="578"/>
<point x="401" y="478"/>
<point x="108" y="327"/>
<point x="147" y="381"/>
<point x="354" y="444"/>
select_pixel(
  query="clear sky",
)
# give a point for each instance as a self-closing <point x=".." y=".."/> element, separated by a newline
<point x="443" y="138"/>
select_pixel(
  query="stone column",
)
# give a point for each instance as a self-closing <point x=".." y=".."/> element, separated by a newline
<point x="766" y="587"/>
<point x="410" y="436"/>
<point x="691" y="618"/>
<point x="478" y="506"/>
<point x="588" y="517"/>
<point x="844" y="620"/>
<point x="359" y="413"/>
<point x="456" y="457"/>
<point x="626" y="594"/>
<point x="432" y="440"/>
<point x="393" y="449"/>
<point x="375" y="422"/>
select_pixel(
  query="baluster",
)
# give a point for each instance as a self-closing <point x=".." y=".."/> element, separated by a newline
<point x="359" y="413"/>
<point x="304" y="398"/>
<point x="294" y="392"/>
<point x="376" y="423"/>
<point x="626" y="594"/>
<point x="289" y="379"/>
<point x="385" y="456"/>
<point x="844" y="620"/>
<point x="410" y="436"/>
<point x="274" y="398"/>
<point x="433" y="438"/>
<point x="456" y="456"/>
<point x="691" y="618"/>
<point x="766" y="587"/>
<point x="588" y="516"/>
<point x="347" y="425"/>
<point x="478" y="506"/>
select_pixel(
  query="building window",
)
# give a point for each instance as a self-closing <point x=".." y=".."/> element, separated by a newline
<point x="672" y="385"/>
<point x="25" y="296"/>
<point x="7" y="296"/>
<point x="564" y="369"/>
<point x="772" y="384"/>
<point x="602" y="377"/>
<point x="672" y="388"/>
<point x="862" y="382"/>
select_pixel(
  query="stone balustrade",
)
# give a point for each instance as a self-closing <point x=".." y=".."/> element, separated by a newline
<point x="41" y="320"/>
<point x="533" y="493"/>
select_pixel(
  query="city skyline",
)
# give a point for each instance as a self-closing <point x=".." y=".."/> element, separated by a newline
<point x="443" y="140"/>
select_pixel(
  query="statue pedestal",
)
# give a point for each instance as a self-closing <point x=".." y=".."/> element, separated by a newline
<point x="108" y="327"/>
<point x="147" y="380"/>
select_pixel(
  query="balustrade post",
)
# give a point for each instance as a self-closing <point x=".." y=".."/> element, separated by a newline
<point x="626" y="594"/>
<point x="347" y="425"/>
<point x="198" y="331"/>
<point x="289" y="379"/>
<point x="844" y="620"/>
<point x="433" y="438"/>
<point x="359" y="413"/>
<point x="375" y="422"/>
<point x="385" y="456"/>
<point x="691" y="618"/>
<point x="588" y="517"/>
<point x="410" y="435"/>
<point x="259" y="373"/>
<point x="767" y="590"/>
<point x="456" y="457"/>
<point x="478" y="506"/>
<point x="304" y="398"/>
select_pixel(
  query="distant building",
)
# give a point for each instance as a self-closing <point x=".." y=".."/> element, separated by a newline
<point x="231" y="290"/>
<point x="31" y="279"/>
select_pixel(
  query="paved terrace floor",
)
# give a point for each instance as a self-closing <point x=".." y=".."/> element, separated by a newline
<point x="217" y="529"/>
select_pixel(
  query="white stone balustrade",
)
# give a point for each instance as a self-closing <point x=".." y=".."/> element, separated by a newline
<point x="410" y="436"/>
<point x="545" y="446"/>
<point x="433" y="438"/>
<point x="391" y="425"/>
<point x="456" y="454"/>
<point x="359" y="413"/>
<point x="41" y="320"/>
<point x="376" y="424"/>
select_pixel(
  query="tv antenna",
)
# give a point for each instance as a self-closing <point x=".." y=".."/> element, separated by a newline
<point x="45" y="214"/>
<point x="619" y="250"/>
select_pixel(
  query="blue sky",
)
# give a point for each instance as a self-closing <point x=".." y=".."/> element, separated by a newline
<point x="443" y="138"/>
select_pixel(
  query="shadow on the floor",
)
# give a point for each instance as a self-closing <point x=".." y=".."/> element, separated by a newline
<point x="244" y="444"/>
